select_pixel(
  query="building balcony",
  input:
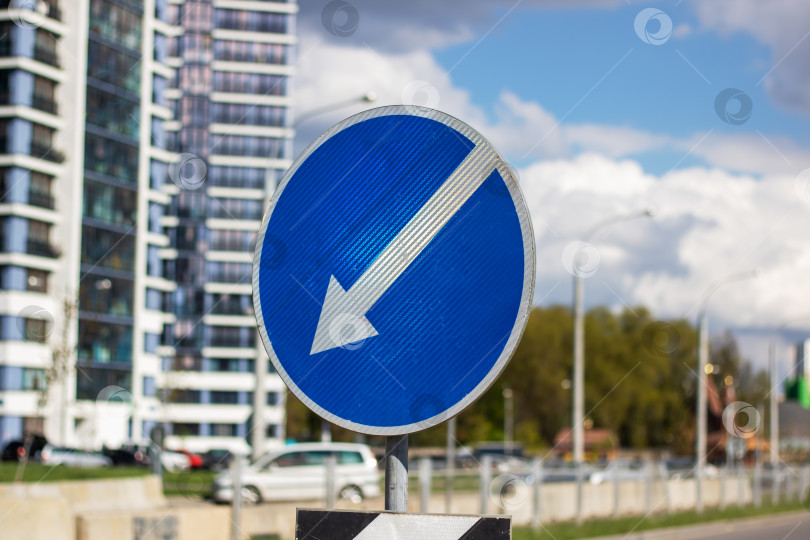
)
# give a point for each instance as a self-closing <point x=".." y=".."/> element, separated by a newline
<point x="43" y="200"/>
<point x="222" y="277"/>
<point x="251" y="58"/>
<point x="247" y="214"/>
<point x="41" y="248"/>
<point x="232" y="342"/>
<point x="270" y="27"/>
<point x="224" y="308"/>
<point x="45" y="151"/>
<point x="232" y="246"/>
<point x="248" y="119"/>
<point x="44" y="103"/>
<point x="184" y="363"/>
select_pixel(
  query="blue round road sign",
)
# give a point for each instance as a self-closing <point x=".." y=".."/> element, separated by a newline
<point x="394" y="270"/>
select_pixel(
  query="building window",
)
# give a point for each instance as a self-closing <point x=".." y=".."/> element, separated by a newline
<point x="249" y="83"/>
<point x="232" y="304"/>
<point x="224" y="398"/>
<point x="112" y="112"/>
<point x="177" y="395"/>
<point x="37" y="280"/>
<point x="222" y="240"/>
<point x="42" y="144"/>
<point x="240" y="177"/>
<point x="249" y="114"/>
<point x="183" y="429"/>
<point x="107" y="249"/>
<point x="111" y="158"/>
<point x="149" y="389"/>
<point x="250" y="51"/>
<point x="91" y="381"/>
<point x="251" y="21"/>
<point x="37" y="330"/>
<point x="104" y="342"/>
<point x="45" y="45"/>
<point x="224" y="430"/>
<point x="114" y="67"/>
<point x="226" y="336"/>
<point x="106" y="296"/>
<point x="110" y="204"/>
<point x="231" y="365"/>
<point x="227" y="208"/>
<point x="116" y="22"/>
<point x="43" y="98"/>
<point x="245" y="145"/>
<point x="39" y="191"/>
<point x="272" y="398"/>
<point x="33" y="379"/>
<point x="229" y="272"/>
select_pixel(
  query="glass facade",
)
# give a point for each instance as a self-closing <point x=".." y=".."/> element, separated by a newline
<point x="109" y="210"/>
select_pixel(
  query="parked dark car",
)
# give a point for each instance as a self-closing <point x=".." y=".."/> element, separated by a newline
<point x="122" y="457"/>
<point x="217" y="460"/>
<point x="16" y="450"/>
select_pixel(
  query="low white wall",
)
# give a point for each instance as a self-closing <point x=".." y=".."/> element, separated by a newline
<point x="136" y="509"/>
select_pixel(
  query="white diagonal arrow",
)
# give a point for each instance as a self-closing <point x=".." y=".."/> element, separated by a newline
<point x="343" y="316"/>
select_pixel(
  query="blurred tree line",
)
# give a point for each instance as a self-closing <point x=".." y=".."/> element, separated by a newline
<point x="640" y="382"/>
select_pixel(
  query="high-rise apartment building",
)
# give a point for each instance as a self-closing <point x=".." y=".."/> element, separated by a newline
<point x="140" y="142"/>
<point x="231" y="135"/>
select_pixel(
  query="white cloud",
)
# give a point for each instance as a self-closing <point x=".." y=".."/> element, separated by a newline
<point x="614" y="141"/>
<point x="708" y="223"/>
<point x="750" y="153"/>
<point x="784" y="25"/>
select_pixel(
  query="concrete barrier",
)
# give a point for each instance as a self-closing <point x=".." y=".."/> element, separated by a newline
<point x="136" y="509"/>
<point x="35" y="518"/>
<point x="93" y="495"/>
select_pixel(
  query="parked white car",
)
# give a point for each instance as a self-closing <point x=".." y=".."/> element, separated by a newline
<point x="618" y="470"/>
<point x="298" y="472"/>
<point x="174" y="461"/>
<point x="72" y="457"/>
<point x="171" y="461"/>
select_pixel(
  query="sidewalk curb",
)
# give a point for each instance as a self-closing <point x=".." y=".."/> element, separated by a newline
<point x="706" y="529"/>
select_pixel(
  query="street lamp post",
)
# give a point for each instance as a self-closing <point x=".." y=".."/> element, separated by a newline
<point x="577" y="421"/>
<point x="702" y="372"/>
<point x="368" y="97"/>
<point x="774" y="403"/>
<point x="508" y="421"/>
<point x="579" y="340"/>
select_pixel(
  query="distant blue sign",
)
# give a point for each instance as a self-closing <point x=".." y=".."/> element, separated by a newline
<point x="394" y="270"/>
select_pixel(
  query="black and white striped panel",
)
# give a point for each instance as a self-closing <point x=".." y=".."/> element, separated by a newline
<point x="314" y="524"/>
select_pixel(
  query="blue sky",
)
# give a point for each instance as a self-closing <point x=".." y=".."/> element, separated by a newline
<point x="599" y="123"/>
<point x="556" y="56"/>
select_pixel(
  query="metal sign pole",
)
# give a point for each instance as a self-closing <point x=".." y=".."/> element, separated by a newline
<point x="236" y="508"/>
<point x="396" y="473"/>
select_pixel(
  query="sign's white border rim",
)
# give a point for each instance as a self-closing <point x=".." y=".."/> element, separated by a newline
<point x="528" y="271"/>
